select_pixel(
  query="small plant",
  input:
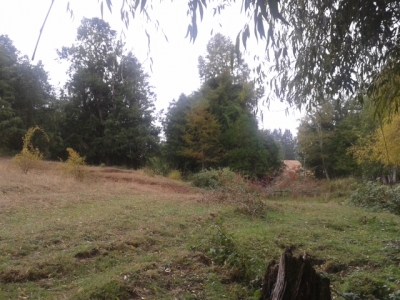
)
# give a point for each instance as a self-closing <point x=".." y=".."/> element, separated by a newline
<point x="175" y="174"/>
<point x="74" y="164"/>
<point x="213" y="178"/>
<point x="29" y="156"/>
<point x="225" y="251"/>
<point x="377" y="197"/>
<point x="157" y="166"/>
<point x="367" y="286"/>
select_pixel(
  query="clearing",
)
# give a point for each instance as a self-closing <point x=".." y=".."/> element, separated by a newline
<point x="122" y="234"/>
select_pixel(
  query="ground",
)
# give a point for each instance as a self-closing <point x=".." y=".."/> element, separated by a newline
<point x="122" y="234"/>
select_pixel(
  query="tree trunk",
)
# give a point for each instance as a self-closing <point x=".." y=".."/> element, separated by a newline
<point x="294" y="279"/>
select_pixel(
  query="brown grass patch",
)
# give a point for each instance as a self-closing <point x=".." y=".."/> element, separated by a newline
<point x="46" y="185"/>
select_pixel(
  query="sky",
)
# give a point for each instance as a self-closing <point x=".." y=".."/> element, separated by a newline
<point x="174" y="67"/>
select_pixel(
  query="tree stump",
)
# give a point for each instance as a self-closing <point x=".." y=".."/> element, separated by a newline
<point x="294" y="279"/>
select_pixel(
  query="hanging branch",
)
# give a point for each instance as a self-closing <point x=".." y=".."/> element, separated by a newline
<point x="41" y="29"/>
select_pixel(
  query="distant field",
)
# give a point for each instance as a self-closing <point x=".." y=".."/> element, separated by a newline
<point x="121" y="234"/>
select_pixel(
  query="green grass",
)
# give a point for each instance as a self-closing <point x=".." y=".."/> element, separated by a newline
<point x="157" y="245"/>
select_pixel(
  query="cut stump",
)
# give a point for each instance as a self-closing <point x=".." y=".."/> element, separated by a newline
<point x="294" y="279"/>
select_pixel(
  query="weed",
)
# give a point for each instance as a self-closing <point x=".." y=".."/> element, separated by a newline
<point x="225" y="251"/>
<point x="29" y="157"/>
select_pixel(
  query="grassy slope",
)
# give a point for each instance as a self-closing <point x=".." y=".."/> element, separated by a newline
<point x="124" y="234"/>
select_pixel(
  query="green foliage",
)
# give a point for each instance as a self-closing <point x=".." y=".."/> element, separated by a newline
<point x="377" y="197"/>
<point x="158" y="165"/>
<point x="216" y="126"/>
<point x="366" y="286"/>
<point x="26" y="98"/>
<point x="174" y="125"/>
<point x="242" y="197"/>
<point x="29" y="156"/>
<point x="109" y="290"/>
<point x="213" y="178"/>
<point x="109" y="113"/>
<point x="231" y="189"/>
<point x="324" y="137"/>
<point x="221" y="58"/>
<point x="225" y="251"/>
<point x="287" y="142"/>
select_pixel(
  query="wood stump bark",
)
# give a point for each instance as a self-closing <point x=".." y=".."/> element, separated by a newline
<point x="294" y="278"/>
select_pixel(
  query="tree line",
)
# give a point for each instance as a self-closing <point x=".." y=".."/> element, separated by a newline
<point x="106" y="110"/>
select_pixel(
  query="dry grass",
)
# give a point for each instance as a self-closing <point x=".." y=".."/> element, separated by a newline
<point x="123" y="234"/>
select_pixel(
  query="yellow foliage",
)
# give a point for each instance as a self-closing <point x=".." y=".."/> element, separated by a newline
<point x="74" y="164"/>
<point x="175" y="174"/>
<point x="382" y="146"/>
<point x="202" y="135"/>
<point x="29" y="156"/>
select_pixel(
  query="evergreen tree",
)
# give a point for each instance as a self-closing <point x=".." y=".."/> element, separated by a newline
<point x="230" y="101"/>
<point x="174" y="125"/>
<point x="26" y="97"/>
<point x="325" y="136"/>
<point x="287" y="142"/>
<point x="109" y="115"/>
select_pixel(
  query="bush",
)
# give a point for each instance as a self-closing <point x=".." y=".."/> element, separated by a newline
<point x="29" y="156"/>
<point x="230" y="188"/>
<point x="377" y="197"/>
<point x="175" y="174"/>
<point x="158" y="166"/>
<point x="225" y="251"/>
<point x="213" y="178"/>
<point x="74" y="165"/>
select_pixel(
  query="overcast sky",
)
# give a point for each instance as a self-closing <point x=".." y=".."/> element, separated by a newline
<point x="174" y="69"/>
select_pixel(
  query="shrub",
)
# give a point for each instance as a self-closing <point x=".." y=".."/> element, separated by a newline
<point x="213" y="178"/>
<point x="225" y="251"/>
<point x="157" y="165"/>
<point x="230" y="188"/>
<point x="30" y="156"/>
<point x="378" y="197"/>
<point x="175" y="174"/>
<point x="74" y="165"/>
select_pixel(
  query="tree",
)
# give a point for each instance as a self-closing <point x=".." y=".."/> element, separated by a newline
<point x="109" y="115"/>
<point x="320" y="49"/>
<point x="287" y="142"/>
<point x="221" y="58"/>
<point x="202" y="136"/>
<point x="25" y="96"/>
<point x="174" y="125"/>
<point x="325" y="136"/>
<point x="10" y="122"/>
<point x="382" y="146"/>
<point x="229" y="102"/>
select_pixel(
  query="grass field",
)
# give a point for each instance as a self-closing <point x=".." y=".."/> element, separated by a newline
<point x="120" y="234"/>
